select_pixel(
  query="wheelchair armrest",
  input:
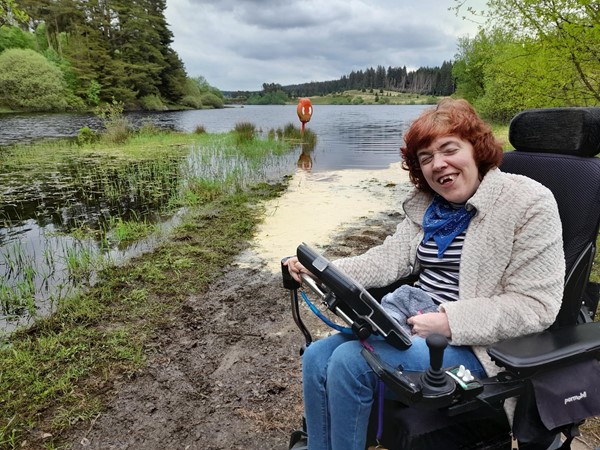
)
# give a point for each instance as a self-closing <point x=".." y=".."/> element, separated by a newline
<point x="527" y="354"/>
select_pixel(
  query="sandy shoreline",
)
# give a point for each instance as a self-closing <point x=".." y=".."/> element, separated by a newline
<point x="316" y="206"/>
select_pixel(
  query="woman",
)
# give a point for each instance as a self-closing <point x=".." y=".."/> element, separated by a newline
<point x="487" y="247"/>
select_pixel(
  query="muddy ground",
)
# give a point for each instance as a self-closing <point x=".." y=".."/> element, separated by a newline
<point x="226" y="373"/>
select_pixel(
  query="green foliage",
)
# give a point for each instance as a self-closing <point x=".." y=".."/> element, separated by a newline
<point x="93" y="93"/>
<point x="29" y="81"/>
<point x="15" y="37"/>
<point x="152" y="103"/>
<point x="194" y="102"/>
<point x="10" y="13"/>
<point x="86" y="136"/>
<point x="246" y="131"/>
<point x="531" y="54"/>
<point x="211" y="99"/>
<point x="268" y="98"/>
<point x="198" y="94"/>
<point x="115" y="123"/>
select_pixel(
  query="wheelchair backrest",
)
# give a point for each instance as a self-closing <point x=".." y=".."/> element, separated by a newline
<point x="557" y="147"/>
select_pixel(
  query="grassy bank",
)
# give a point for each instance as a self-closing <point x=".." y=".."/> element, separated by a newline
<point x="373" y="97"/>
<point x="53" y="374"/>
<point x="58" y="369"/>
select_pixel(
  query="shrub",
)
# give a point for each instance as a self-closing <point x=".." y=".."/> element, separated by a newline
<point x="29" y="81"/>
<point x="152" y="103"/>
<point x="193" y="101"/>
<point x="115" y="123"/>
<point x="200" y="129"/>
<point x="86" y="136"/>
<point x="149" y="128"/>
<point x="210" y="99"/>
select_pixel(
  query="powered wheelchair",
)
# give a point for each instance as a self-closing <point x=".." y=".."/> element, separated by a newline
<point x="544" y="371"/>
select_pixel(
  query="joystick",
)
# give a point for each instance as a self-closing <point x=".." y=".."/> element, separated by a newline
<point x="434" y="381"/>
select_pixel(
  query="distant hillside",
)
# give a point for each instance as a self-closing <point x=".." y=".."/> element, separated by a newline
<point x="425" y="81"/>
<point x="428" y="81"/>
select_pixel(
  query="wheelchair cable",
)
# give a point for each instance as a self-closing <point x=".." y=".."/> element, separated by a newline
<point x="326" y="320"/>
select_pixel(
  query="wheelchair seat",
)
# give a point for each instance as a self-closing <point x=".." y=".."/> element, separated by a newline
<point x="556" y="147"/>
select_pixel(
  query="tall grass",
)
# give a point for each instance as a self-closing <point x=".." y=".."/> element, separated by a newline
<point x="108" y="196"/>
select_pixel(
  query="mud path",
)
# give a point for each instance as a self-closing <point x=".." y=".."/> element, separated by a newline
<point x="226" y="373"/>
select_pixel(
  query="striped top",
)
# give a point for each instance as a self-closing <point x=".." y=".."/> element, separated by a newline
<point x="439" y="276"/>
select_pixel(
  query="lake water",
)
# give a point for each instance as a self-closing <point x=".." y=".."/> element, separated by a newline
<point x="349" y="137"/>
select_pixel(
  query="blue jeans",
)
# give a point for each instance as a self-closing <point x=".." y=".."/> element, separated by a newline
<point x="339" y="385"/>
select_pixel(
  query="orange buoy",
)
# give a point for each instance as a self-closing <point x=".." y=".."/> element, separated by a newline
<point x="304" y="111"/>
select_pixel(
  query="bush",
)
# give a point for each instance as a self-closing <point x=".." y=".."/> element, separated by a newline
<point x="210" y="99"/>
<point x="193" y="101"/>
<point x="14" y="37"/>
<point x="200" y="129"/>
<point x="116" y="125"/>
<point x="148" y="128"/>
<point x="29" y="81"/>
<point x="152" y="103"/>
<point x="86" y="136"/>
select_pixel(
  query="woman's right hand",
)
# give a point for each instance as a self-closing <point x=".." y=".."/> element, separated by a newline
<point x="295" y="268"/>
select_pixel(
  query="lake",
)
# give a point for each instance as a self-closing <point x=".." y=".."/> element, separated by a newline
<point x="363" y="136"/>
<point x="38" y="256"/>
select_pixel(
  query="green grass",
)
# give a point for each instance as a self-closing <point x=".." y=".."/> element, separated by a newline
<point x="56" y="369"/>
<point x="52" y="374"/>
<point x="155" y="172"/>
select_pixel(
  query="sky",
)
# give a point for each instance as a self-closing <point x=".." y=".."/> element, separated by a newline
<point x="241" y="44"/>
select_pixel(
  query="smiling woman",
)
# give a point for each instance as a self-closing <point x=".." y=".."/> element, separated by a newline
<point x="468" y="229"/>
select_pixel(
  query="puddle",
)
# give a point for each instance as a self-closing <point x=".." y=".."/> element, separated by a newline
<point x="317" y="206"/>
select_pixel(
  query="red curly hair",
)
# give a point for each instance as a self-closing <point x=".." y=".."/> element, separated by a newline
<point x="454" y="117"/>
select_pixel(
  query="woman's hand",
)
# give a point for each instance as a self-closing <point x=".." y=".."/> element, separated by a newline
<point x="295" y="268"/>
<point x="425" y="324"/>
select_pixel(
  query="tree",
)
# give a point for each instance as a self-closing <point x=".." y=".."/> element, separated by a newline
<point x="29" y="81"/>
<point x="10" y="13"/>
<point x="567" y="31"/>
<point x="15" y="37"/>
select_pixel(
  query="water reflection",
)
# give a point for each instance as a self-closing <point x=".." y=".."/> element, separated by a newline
<point x="41" y="202"/>
<point x="89" y="196"/>
<point x="350" y="137"/>
<point x="305" y="161"/>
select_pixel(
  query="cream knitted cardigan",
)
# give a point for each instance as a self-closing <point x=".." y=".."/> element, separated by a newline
<point x="512" y="265"/>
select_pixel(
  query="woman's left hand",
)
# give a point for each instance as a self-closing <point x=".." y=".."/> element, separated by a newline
<point x="425" y="324"/>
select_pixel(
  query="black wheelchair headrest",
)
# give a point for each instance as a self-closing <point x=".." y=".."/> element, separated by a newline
<point x="571" y="131"/>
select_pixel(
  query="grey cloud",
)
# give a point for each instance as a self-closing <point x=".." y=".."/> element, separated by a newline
<point x="239" y="44"/>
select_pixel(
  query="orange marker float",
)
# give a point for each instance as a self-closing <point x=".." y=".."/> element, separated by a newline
<point x="304" y="111"/>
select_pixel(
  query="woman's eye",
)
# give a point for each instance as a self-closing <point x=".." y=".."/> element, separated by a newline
<point x="425" y="159"/>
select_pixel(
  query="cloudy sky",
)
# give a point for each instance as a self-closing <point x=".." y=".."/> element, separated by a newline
<point x="241" y="44"/>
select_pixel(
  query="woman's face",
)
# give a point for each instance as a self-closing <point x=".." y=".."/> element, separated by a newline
<point x="449" y="168"/>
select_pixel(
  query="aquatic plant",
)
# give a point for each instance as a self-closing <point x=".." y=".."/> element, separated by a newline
<point x="246" y="131"/>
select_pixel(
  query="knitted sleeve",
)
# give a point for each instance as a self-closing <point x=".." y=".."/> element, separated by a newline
<point x="529" y="294"/>
<point x="382" y="265"/>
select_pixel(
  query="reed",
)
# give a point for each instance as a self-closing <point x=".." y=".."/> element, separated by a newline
<point x="99" y="195"/>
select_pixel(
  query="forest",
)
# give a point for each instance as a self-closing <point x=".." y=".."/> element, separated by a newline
<point x="437" y="81"/>
<point x="75" y="54"/>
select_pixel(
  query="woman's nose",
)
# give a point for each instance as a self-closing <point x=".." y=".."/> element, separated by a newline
<point x="439" y="161"/>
